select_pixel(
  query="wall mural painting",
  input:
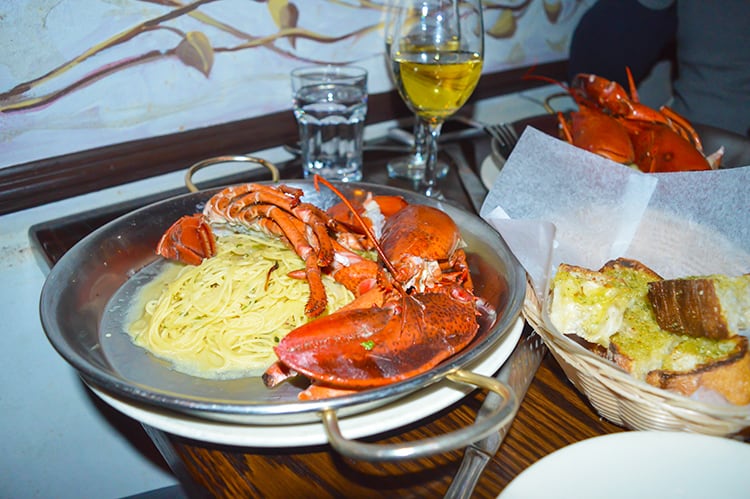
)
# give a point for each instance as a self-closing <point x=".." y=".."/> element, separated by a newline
<point x="79" y="74"/>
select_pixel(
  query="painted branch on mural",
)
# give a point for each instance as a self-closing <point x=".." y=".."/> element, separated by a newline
<point x="137" y="68"/>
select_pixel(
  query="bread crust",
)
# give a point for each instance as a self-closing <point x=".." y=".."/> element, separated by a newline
<point x="688" y="306"/>
<point x="729" y="377"/>
<point x="588" y="345"/>
<point x="631" y="265"/>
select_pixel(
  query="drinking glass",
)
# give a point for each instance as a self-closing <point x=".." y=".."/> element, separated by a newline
<point x="330" y="105"/>
<point x="436" y="50"/>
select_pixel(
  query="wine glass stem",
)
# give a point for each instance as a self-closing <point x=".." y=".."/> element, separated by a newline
<point x="420" y="140"/>
<point x="429" y="182"/>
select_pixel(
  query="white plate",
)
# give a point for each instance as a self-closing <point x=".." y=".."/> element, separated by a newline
<point x="402" y="412"/>
<point x="489" y="169"/>
<point x="639" y="464"/>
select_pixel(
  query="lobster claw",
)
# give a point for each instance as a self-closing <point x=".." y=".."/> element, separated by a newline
<point x="189" y="240"/>
<point x="660" y="149"/>
<point x="370" y="347"/>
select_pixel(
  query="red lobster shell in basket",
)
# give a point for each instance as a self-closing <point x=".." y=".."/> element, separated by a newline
<point x="614" y="124"/>
<point x="414" y="308"/>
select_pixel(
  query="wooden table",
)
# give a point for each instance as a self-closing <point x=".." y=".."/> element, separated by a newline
<point x="552" y="415"/>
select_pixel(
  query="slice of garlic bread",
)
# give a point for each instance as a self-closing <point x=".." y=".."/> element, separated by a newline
<point x="587" y="303"/>
<point x="611" y="312"/>
<point x="640" y="344"/>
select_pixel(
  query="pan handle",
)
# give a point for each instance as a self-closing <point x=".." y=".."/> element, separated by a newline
<point x="434" y="445"/>
<point x="225" y="159"/>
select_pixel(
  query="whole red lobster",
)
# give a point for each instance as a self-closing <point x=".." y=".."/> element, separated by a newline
<point x="414" y="308"/>
<point x="616" y="125"/>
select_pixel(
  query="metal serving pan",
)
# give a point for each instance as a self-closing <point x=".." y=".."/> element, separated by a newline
<point x="87" y="294"/>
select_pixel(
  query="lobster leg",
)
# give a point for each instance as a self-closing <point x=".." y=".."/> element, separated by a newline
<point x="633" y="87"/>
<point x="294" y="231"/>
<point x="683" y="127"/>
<point x="276" y="374"/>
<point x="318" y="300"/>
<point x="457" y="271"/>
<point x="311" y="215"/>
<point x="317" y="391"/>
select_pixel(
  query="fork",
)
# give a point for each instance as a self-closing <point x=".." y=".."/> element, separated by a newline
<point x="506" y="136"/>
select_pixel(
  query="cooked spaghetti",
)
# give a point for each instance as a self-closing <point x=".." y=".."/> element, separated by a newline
<point x="221" y="319"/>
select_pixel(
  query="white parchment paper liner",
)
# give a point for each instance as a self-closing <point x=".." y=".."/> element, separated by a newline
<point x="555" y="203"/>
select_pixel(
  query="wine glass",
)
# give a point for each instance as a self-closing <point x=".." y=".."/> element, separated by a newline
<point x="436" y="49"/>
<point x="411" y="166"/>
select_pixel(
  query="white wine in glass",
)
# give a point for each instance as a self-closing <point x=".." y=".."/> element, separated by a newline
<point x="436" y="52"/>
<point x="410" y="166"/>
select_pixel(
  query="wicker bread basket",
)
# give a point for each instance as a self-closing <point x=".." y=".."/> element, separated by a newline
<point x="626" y="401"/>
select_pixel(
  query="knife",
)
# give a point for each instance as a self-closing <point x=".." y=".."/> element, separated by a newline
<point x="517" y="372"/>
<point x="475" y="189"/>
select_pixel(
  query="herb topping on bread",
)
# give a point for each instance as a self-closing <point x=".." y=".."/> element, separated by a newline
<point x="611" y="311"/>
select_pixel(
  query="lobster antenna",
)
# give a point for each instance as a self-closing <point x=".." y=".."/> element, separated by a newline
<point x="530" y="75"/>
<point x="317" y="178"/>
